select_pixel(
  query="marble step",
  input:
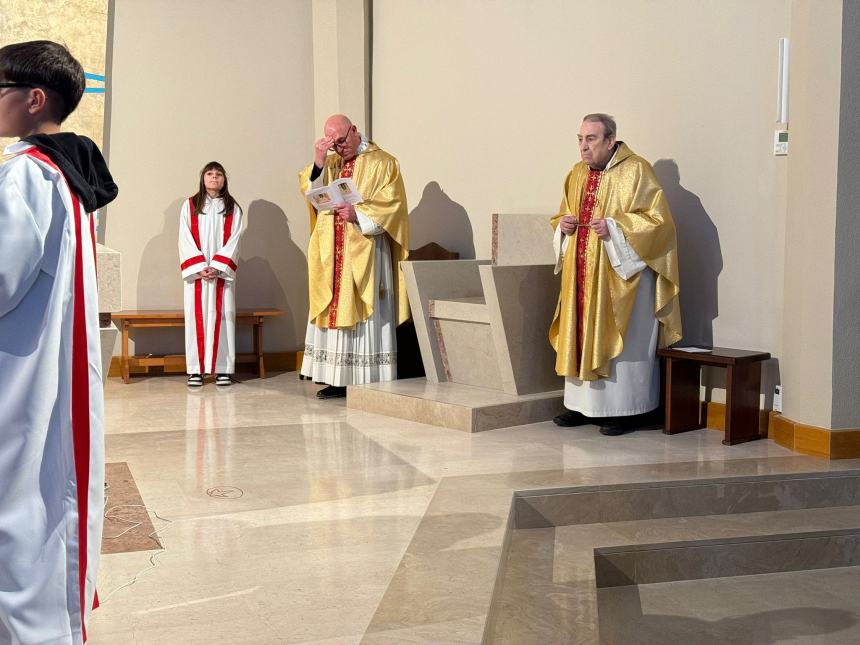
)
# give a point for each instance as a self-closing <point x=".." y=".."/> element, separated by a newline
<point x="556" y="584"/>
<point x="454" y="405"/>
<point x="629" y="502"/>
<point x="815" y="607"/>
<point x="639" y="564"/>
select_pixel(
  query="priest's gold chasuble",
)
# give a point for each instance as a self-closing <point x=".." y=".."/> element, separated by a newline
<point x="595" y="303"/>
<point x="341" y="275"/>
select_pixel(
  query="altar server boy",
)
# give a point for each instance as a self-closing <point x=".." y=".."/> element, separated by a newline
<point x="51" y="405"/>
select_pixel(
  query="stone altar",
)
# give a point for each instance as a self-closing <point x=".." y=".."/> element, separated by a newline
<point x="482" y="330"/>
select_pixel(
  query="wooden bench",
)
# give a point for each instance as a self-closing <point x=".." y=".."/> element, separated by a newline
<point x="135" y="319"/>
<point x="743" y="385"/>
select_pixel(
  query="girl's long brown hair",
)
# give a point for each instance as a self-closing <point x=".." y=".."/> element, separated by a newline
<point x="200" y="197"/>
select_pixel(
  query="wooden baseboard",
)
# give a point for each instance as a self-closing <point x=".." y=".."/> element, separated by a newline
<point x="799" y="437"/>
<point x="275" y="362"/>
<point x="812" y="440"/>
<point x="714" y="415"/>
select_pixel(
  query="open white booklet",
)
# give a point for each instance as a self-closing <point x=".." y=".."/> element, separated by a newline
<point x="337" y="193"/>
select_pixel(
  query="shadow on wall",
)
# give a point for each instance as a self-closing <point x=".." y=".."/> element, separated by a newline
<point x="276" y="275"/>
<point x="699" y="254"/>
<point x="159" y="285"/>
<point x="272" y="273"/>
<point x="438" y="218"/>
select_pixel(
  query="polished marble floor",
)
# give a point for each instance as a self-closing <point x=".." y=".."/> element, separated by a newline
<point x="285" y="519"/>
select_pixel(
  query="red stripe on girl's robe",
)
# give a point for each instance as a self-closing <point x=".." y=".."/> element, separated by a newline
<point x="225" y="260"/>
<point x="586" y="210"/>
<point x="219" y="291"/>
<point x="219" y="306"/>
<point x="198" y="293"/>
<point x="80" y="390"/>
<point x="197" y="259"/>
<point x="339" y="235"/>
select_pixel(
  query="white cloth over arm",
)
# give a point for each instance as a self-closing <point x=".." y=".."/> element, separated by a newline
<point x="621" y="255"/>
<point x="367" y="225"/>
<point x="560" y="242"/>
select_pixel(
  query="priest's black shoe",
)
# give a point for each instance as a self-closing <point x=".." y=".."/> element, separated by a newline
<point x="620" y="425"/>
<point x="332" y="392"/>
<point x="612" y="427"/>
<point x="570" y="418"/>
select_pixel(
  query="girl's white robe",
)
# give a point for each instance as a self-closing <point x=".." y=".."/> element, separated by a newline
<point x="210" y="239"/>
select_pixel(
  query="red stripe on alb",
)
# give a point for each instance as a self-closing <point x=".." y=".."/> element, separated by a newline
<point x="225" y="260"/>
<point x="228" y="227"/>
<point x="195" y="224"/>
<point x="192" y="261"/>
<point x="228" y="232"/>
<point x="219" y="302"/>
<point x="80" y="394"/>
<point x="198" y="319"/>
<point x="198" y="291"/>
<point x="81" y="403"/>
<point x="219" y="289"/>
<point x="93" y="240"/>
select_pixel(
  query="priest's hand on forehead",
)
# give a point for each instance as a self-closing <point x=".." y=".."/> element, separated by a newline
<point x="345" y="136"/>
<point x="321" y="148"/>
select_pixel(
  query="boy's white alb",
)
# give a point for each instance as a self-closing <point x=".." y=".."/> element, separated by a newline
<point x="49" y="336"/>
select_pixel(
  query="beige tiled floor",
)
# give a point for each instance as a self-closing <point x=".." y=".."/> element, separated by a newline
<point x="336" y="507"/>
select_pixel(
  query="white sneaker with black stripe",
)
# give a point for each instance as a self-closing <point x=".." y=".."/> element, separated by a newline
<point x="195" y="380"/>
<point x="223" y="379"/>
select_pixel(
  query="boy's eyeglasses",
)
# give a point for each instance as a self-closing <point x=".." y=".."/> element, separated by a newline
<point x="12" y="84"/>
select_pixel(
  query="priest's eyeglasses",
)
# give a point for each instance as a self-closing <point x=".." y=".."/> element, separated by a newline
<point x="14" y="84"/>
<point x="342" y="140"/>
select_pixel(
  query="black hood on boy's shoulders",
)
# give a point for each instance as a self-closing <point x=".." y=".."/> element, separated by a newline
<point x="83" y="165"/>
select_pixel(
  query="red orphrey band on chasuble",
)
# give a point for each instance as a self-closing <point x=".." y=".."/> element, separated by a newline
<point x="339" y="224"/>
<point x="586" y="210"/>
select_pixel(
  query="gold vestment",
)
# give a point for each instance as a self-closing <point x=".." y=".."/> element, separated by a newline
<point x="629" y="194"/>
<point x="377" y="176"/>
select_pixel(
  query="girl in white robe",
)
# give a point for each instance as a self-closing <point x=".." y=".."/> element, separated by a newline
<point x="210" y="229"/>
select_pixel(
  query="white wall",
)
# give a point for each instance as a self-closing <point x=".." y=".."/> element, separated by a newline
<point x="481" y="102"/>
<point x="808" y="326"/>
<point x="197" y="80"/>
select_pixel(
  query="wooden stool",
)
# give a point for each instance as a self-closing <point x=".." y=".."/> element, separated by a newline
<point x="743" y="385"/>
